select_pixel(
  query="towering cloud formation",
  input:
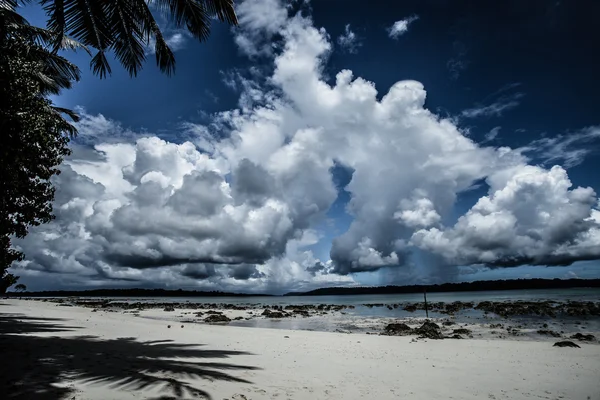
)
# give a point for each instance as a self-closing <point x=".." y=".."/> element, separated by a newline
<point x="531" y="216"/>
<point x="240" y="213"/>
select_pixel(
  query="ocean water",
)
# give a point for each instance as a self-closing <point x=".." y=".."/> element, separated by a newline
<point x="363" y="318"/>
<point x="576" y="294"/>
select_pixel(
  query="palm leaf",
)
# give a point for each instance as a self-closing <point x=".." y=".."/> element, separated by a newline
<point x="74" y="116"/>
<point x="164" y="56"/>
<point x="53" y="72"/>
<point x="40" y="35"/>
<point x="9" y="18"/>
<point x="9" y="5"/>
<point x="128" y="38"/>
<point x="47" y="84"/>
<point x="222" y="9"/>
<point x="100" y="65"/>
<point x="87" y="21"/>
<point x="55" y="63"/>
<point x="190" y="14"/>
<point x="125" y="26"/>
<point x="68" y="43"/>
<point x="56" y="73"/>
<point x="55" y="9"/>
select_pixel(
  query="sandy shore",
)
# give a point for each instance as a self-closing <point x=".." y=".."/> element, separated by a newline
<point x="51" y="352"/>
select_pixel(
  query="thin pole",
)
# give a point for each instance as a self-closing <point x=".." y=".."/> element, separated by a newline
<point x="425" y="296"/>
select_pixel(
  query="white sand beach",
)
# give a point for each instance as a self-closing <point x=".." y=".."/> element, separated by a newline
<point x="51" y="352"/>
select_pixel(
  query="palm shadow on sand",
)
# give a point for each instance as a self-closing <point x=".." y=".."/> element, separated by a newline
<point x="32" y="365"/>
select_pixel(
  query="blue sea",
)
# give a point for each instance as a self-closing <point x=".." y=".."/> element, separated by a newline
<point x="361" y="312"/>
<point x="577" y="294"/>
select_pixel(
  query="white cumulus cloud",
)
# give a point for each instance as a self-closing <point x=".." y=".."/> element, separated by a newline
<point x="236" y="205"/>
<point x="531" y="215"/>
<point x="400" y="27"/>
<point x="260" y="21"/>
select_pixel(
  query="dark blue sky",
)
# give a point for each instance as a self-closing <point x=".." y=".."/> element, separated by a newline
<point x="543" y="56"/>
<point x="549" y="47"/>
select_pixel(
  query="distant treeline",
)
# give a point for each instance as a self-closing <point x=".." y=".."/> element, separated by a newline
<point x="513" y="284"/>
<point x="130" y="293"/>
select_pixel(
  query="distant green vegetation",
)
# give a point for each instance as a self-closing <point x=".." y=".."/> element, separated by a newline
<point x="512" y="284"/>
<point x="509" y="284"/>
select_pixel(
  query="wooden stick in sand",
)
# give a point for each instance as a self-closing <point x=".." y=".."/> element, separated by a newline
<point x="425" y="296"/>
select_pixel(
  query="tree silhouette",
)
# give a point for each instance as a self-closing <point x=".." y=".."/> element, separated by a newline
<point x="20" y="287"/>
<point x="35" y="132"/>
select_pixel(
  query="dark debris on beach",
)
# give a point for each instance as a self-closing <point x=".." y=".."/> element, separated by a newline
<point x="566" y="343"/>
<point x="428" y="330"/>
<point x="503" y="309"/>
<point x="448" y="328"/>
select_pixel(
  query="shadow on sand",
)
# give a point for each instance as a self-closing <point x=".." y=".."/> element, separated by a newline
<point x="32" y="366"/>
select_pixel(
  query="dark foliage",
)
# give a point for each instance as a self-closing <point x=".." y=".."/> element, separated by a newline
<point x="20" y="287"/>
<point x="126" y="27"/>
<point x="509" y="284"/>
<point x="38" y="362"/>
<point x="35" y="134"/>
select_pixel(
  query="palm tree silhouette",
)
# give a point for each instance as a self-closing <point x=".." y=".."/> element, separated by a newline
<point x="127" y="26"/>
<point x="32" y="365"/>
